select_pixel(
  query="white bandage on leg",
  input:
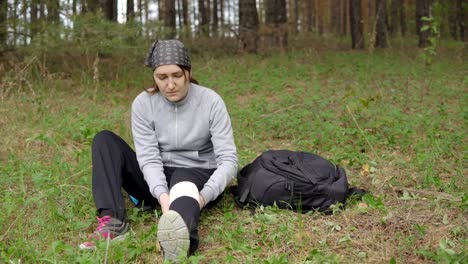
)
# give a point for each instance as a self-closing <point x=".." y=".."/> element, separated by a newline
<point x="184" y="188"/>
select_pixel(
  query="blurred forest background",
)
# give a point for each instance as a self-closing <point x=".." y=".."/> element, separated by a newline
<point x="249" y="25"/>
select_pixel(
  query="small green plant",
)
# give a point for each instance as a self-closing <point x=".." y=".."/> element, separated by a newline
<point x="345" y="238"/>
<point x="333" y="226"/>
<point x="336" y="208"/>
<point x="409" y="196"/>
<point x="444" y="253"/>
<point x="464" y="202"/>
<point x="277" y="260"/>
<point x="317" y="256"/>
<point x="432" y="28"/>
<point x="422" y="229"/>
<point x="374" y="202"/>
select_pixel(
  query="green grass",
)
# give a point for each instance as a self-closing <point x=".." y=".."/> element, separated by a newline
<point x="398" y="127"/>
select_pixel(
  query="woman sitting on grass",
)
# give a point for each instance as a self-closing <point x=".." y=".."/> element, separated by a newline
<point x="185" y="155"/>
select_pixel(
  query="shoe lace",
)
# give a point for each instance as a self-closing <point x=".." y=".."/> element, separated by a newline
<point x="103" y="221"/>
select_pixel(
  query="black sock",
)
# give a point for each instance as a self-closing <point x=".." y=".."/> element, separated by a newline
<point x="189" y="210"/>
<point x="104" y="212"/>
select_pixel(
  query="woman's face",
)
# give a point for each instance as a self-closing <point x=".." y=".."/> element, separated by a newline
<point x="172" y="82"/>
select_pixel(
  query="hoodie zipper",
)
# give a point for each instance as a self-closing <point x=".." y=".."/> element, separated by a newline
<point x="176" y="128"/>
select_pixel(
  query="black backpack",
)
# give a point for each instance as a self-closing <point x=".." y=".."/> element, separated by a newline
<point x="299" y="181"/>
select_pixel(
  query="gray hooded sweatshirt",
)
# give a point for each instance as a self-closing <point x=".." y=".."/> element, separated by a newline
<point x="194" y="132"/>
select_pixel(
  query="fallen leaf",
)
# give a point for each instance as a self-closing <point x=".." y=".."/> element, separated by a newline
<point x="365" y="170"/>
<point x="362" y="205"/>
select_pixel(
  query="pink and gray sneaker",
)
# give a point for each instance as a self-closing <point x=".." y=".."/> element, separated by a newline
<point x="108" y="228"/>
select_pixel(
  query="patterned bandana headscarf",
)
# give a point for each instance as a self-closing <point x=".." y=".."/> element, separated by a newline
<point x="165" y="52"/>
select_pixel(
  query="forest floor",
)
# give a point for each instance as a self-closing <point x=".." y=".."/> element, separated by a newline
<point x="396" y="125"/>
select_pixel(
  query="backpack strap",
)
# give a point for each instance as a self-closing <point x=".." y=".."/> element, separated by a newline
<point x="241" y="198"/>
<point x="243" y="190"/>
<point x="245" y="193"/>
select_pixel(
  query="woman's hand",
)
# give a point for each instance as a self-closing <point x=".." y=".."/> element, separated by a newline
<point x="201" y="201"/>
<point x="164" y="200"/>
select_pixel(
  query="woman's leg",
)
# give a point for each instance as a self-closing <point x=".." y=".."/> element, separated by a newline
<point x="185" y="185"/>
<point x="115" y="167"/>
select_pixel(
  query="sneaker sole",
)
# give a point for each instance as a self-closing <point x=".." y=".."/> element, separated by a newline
<point x="173" y="236"/>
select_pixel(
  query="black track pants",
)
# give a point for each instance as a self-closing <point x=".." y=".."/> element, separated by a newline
<point x="115" y="167"/>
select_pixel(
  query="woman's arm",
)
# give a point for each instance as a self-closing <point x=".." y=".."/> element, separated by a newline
<point x="147" y="147"/>
<point x="224" y="149"/>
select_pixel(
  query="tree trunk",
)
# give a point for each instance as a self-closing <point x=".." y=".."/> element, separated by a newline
<point x="145" y="11"/>
<point x="275" y="12"/>
<point x="14" y="21"/>
<point x="74" y="7"/>
<point x="215" y="18"/>
<point x="248" y="25"/>
<point x="53" y="9"/>
<point x="381" y="26"/>
<point x="419" y="6"/>
<point x="320" y="12"/>
<point x="402" y="18"/>
<point x="261" y="12"/>
<point x="196" y="17"/>
<point x="109" y="8"/>
<point x="371" y="20"/>
<point x="203" y="17"/>
<point x="292" y="16"/>
<point x="208" y="15"/>
<point x="357" y="26"/>
<point x="417" y="16"/>
<point x="296" y="15"/>
<point x="335" y="16"/>
<point x="3" y="22"/>
<point x="130" y="11"/>
<point x="276" y="23"/>
<point x="452" y="19"/>
<point x="394" y="19"/>
<point x="308" y="15"/>
<point x="89" y="6"/>
<point x="231" y="14"/>
<point x="344" y="17"/>
<point x="423" y="9"/>
<point x="168" y="15"/>
<point x="462" y="8"/>
<point x="221" y="17"/>
<point x="185" y="9"/>
<point x="140" y="11"/>
<point x="42" y="15"/>
<point x="33" y="18"/>
<point x="179" y="13"/>
<point x="161" y="8"/>
<point x="25" y="15"/>
<point x="42" y="9"/>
